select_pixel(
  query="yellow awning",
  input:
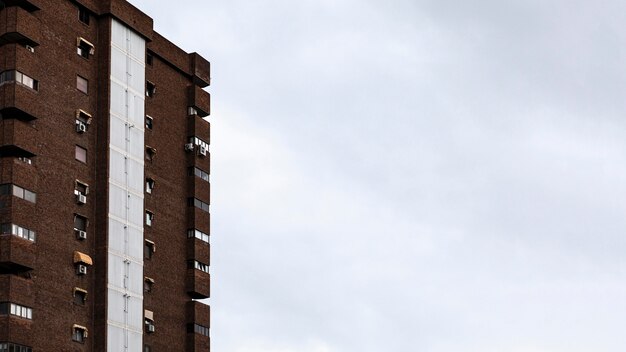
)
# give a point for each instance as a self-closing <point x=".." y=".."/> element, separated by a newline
<point x="82" y="258"/>
<point x="149" y="279"/>
<point x="148" y="314"/>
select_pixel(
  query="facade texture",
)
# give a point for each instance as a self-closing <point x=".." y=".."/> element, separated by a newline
<point x="104" y="182"/>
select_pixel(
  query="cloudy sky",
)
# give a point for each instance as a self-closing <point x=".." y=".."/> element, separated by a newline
<point x="414" y="175"/>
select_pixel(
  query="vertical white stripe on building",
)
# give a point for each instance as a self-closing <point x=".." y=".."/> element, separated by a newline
<point x="126" y="182"/>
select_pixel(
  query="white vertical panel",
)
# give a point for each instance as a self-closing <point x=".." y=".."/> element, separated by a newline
<point x="126" y="187"/>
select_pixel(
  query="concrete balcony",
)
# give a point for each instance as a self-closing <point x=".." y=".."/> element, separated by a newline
<point x="198" y="343"/>
<point x="19" y="26"/>
<point x="18" y="102"/>
<point x="16" y="289"/>
<point x="197" y="126"/>
<point x="198" y="250"/>
<point x="16" y="254"/>
<point x="198" y="284"/>
<point x="17" y="138"/>
<point x="200" y="100"/>
<point x="13" y="170"/>
<point x="201" y="70"/>
<point x="198" y="219"/>
<point x="199" y="188"/>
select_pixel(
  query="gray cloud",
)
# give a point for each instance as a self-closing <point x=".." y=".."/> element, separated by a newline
<point x="432" y="176"/>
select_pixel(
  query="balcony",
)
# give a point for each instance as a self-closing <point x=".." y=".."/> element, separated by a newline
<point x="16" y="254"/>
<point x="28" y="5"/>
<point x="16" y="289"/>
<point x="17" y="102"/>
<point x="198" y="284"/>
<point x="198" y="313"/>
<point x="201" y="70"/>
<point x="17" y="138"/>
<point x="20" y="27"/>
<point x="200" y="100"/>
<point x="16" y="330"/>
<point x="198" y="219"/>
<point x="14" y="170"/>
<point x="199" y="127"/>
<point x="198" y="250"/>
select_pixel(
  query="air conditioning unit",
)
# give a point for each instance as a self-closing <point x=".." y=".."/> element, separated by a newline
<point x="81" y="269"/>
<point x="81" y="198"/>
<point x="81" y="235"/>
<point x="189" y="147"/>
<point x="81" y="127"/>
<point x="150" y="328"/>
<point x="203" y="151"/>
<point x="30" y="48"/>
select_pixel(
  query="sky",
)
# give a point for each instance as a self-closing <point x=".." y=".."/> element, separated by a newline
<point x="414" y="175"/>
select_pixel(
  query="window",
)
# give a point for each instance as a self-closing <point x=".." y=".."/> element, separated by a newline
<point x="80" y="223"/>
<point x="198" y="234"/>
<point x="149" y="185"/>
<point x="192" y="111"/>
<point x="81" y="154"/>
<point x="82" y="84"/>
<point x="197" y="329"/>
<point x="18" y="77"/>
<point x="79" y="333"/>
<point x="150" y="153"/>
<point x="199" y="173"/>
<point x="194" y="264"/>
<point x="149" y="59"/>
<point x="81" y="188"/>
<point x="15" y="230"/>
<point x="84" y="48"/>
<point x="146" y="348"/>
<point x="80" y="296"/>
<point x="150" y="89"/>
<point x="149" y="320"/>
<point x="147" y="284"/>
<point x="199" y="142"/>
<point x="149" y="248"/>
<point x="198" y="204"/>
<point x="83" y="15"/>
<point x="11" y="347"/>
<point x="25" y="160"/>
<point x="83" y="120"/>
<point x="149" y="218"/>
<point x="18" y="191"/>
<point x="149" y="122"/>
<point x="16" y="310"/>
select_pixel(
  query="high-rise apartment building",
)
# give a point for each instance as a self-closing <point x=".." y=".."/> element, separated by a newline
<point x="104" y="182"/>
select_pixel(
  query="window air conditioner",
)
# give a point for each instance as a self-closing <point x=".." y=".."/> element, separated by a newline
<point x="30" y="48"/>
<point x="81" y="198"/>
<point x="203" y="151"/>
<point x="189" y="147"/>
<point x="81" y="269"/>
<point x="81" y="235"/>
<point x="81" y="127"/>
<point x="150" y="327"/>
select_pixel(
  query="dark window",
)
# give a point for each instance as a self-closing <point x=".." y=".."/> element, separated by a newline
<point x="83" y="15"/>
<point x="79" y="334"/>
<point x="199" y="173"/>
<point x="198" y="204"/>
<point x="150" y="89"/>
<point x="150" y="153"/>
<point x="149" y="59"/>
<point x="149" y="218"/>
<point x="19" y="192"/>
<point x="146" y="348"/>
<point x="149" y="122"/>
<point x="198" y="329"/>
<point x="19" y="77"/>
<point x="80" y="222"/>
<point x="85" y="48"/>
<point x="148" y="249"/>
<point x="11" y="347"/>
<point x="80" y="297"/>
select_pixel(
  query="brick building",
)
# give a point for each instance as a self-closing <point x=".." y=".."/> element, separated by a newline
<point x="104" y="186"/>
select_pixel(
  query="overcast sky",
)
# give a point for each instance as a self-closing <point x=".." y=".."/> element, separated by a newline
<point x="414" y="175"/>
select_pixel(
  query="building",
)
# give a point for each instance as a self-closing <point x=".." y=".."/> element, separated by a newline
<point x="104" y="186"/>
